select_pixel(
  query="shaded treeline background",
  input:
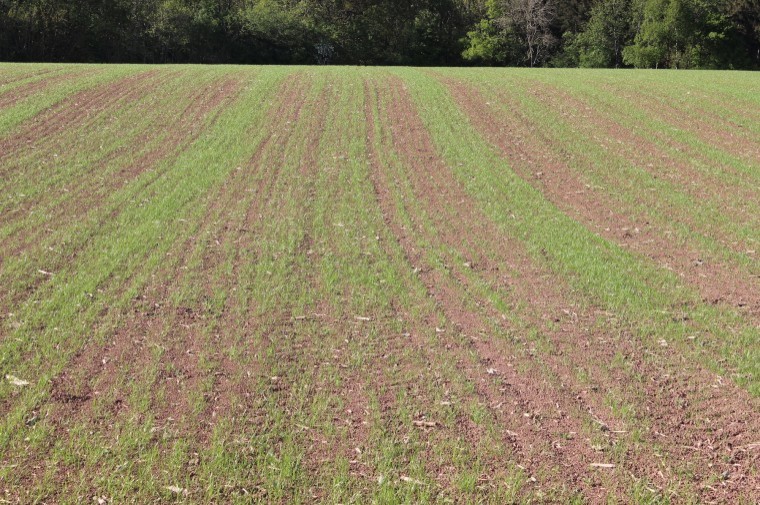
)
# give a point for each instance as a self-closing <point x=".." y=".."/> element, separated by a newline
<point x="586" y="33"/>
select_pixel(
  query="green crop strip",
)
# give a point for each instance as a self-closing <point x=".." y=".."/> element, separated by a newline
<point x="65" y="309"/>
<point x="629" y="114"/>
<point x="647" y="297"/>
<point x="657" y="199"/>
<point x="12" y="117"/>
<point x="236" y="285"/>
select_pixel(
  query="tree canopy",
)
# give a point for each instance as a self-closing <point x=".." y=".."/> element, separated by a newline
<point x="586" y="33"/>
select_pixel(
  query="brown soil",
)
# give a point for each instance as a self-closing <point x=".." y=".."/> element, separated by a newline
<point x="460" y="226"/>
<point x="19" y="94"/>
<point x="717" y="282"/>
<point x="724" y="135"/>
<point x="735" y="198"/>
<point x="75" y="111"/>
<point x="91" y="191"/>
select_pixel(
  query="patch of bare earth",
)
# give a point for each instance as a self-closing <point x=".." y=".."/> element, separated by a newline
<point x="540" y="423"/>
<point x="725" y="135"/>
<point x="181" y="332"/>
<point x="535" y="161"/>
<point x="75" y="111"/>
<point x="544" y="384"/>
<point x="11" y="98"/>
<point x="92" y="190"/>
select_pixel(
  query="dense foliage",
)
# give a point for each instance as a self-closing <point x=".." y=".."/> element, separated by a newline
<point x="586" y="33"/>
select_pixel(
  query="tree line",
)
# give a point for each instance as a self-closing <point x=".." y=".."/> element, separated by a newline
<point x="561" y="33"/>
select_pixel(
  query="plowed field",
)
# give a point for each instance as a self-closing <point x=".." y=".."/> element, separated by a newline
<point x="366" y="285"/>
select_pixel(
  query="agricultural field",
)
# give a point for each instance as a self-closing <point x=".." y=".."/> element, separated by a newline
<point x="378" y="285"/>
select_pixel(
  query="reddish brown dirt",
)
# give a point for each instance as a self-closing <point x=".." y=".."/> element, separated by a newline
<point x="19" y="94"/>
<point x="75" y="111"/>
<point x="717" y="282"/>
<point x="153" y="321"/>
<point x="719" y="133"/>
<point x="92" y="189"/>
<point x="520" y="394"/>
<point x="534" y="286"/>
<point x="736" y="199"/>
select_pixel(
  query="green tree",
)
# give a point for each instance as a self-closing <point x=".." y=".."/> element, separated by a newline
<point x="487" y="44"/>
<point x="680" y="34"/>
<point x="607" y="32"/>
<point x="653" y="33"/>
<point x="744" y="42"/>
<point x="515" y="32"/>
<point x="572" y="15"/>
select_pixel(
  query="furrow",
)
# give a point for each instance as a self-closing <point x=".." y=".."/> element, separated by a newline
<point x="718" y="281"/>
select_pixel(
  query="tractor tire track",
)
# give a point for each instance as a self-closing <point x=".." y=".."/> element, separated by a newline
<point x="531" y="436"/>
<point x="535" y="288"/>
<point x="130" y="347"/>
<point x="90" y="207"/>
<point x="75" y="112"/>
<point x="717" y="282"/>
